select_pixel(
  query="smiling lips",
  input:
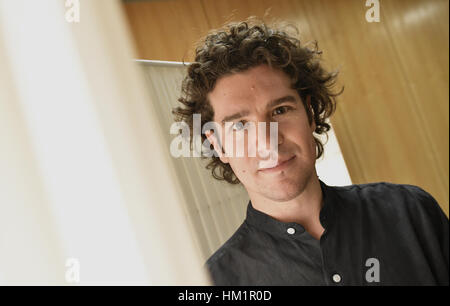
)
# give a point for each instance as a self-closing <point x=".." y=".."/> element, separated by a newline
<point x="281" y="165"/>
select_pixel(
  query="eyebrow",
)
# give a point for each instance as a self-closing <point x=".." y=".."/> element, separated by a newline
<point x="235" y="116"/>
<point x="271" y="104"/>
<point x="281" y="101"/>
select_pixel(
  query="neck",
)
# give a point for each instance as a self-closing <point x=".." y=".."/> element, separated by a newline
<point x="304" y="209"/>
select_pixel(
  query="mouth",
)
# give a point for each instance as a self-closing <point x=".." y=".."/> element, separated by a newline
<point x="282" y="164"/>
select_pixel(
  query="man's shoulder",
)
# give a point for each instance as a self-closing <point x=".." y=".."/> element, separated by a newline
<point x="381" y="186"/>
<point x="383" y="191"/>
<point x="390" y="198"/>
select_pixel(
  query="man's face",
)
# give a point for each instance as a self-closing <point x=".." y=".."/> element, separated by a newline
<point x="255" y="96"/>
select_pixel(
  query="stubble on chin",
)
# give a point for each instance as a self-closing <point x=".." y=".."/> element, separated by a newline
<point x="281" y="191"/>
<point x="285" y="189"/>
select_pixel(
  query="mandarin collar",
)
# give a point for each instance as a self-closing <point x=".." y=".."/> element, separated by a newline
<point x="268" y="224"/>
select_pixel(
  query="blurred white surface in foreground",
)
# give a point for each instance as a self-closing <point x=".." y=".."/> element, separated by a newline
<point x="83" y="170"/>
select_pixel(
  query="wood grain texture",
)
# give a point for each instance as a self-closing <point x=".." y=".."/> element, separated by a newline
<point x="166" y="30"/>
<point x="392" y="120"/>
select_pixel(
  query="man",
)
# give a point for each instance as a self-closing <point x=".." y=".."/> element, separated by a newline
<point x="298" y="230"/>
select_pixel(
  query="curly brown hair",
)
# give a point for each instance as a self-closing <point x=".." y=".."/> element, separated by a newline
<point x="246" y="44"/>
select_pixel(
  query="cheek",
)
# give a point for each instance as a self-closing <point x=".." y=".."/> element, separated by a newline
<point x="242" y="167"/>
<point x="311" y="142"/>
<point x="296" y="128"/>
<point x="301" y="136"/>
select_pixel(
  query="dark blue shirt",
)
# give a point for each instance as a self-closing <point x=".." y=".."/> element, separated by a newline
<point x="375" y="234"/>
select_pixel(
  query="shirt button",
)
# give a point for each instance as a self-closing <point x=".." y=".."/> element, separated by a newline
<point x="337" y="278"/>
<point x="291" y="231"/>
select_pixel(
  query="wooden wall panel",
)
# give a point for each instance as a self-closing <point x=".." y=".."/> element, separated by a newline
<point x="166" y="30"/>
<point x="392" y="119"/>
<point x="419" y="32"/>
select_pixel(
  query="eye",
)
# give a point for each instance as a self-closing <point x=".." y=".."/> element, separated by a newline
<point x="280" y="110"/>
<point x="238" y="126"/>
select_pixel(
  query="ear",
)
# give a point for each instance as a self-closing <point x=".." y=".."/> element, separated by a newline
<point x="213" y="140"/>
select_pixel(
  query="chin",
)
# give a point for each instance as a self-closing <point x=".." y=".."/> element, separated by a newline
<point x="283" y="191"/>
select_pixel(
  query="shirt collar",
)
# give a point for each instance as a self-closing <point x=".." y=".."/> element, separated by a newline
<point x="266" y="223"/>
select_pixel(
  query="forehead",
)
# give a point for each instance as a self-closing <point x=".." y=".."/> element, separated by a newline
<point x="252" y="88"/>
